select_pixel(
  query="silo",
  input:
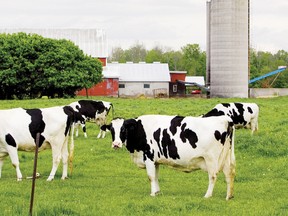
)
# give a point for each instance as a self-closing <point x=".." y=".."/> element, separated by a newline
<point x="228" y="47"/>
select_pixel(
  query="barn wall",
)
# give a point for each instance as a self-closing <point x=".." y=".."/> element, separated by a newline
<point x="134" y="89"/>
<point x="109" y="87"/>
<point x="268" y="92"/>
<point x="176" y="89"/>
<point x="103" y="61"/>
<point x="177" y="76"/>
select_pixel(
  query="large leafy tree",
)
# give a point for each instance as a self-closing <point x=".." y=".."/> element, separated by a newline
<point x="194" y="60"/>
<point x="32" y="66"/>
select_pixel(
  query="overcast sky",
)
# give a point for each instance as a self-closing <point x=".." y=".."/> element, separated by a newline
<point x="166" y="23"/>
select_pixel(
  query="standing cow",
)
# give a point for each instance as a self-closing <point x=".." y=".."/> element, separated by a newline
<point x="184" y="143"/>
<point x="18" y="131"/>
<point x="92" y="110"/>
<point x="242" y="114"/>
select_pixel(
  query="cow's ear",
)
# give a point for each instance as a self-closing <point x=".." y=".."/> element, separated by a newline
<point x="106" y="127"/>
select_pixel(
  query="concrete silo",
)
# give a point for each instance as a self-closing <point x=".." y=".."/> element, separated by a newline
<point x="228" y="48"/>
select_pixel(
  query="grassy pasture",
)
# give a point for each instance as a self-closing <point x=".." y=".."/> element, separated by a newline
<point x="106" y="182"/>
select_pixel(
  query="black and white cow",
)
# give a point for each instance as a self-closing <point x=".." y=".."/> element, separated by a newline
<point x="184" y="143"/>
<point x="18" y="129"/>
<point x="92" y="110"/>
<point x="242" y="114"/>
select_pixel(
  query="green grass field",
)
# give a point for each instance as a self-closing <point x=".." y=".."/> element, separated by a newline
<point x="106" y="182"/>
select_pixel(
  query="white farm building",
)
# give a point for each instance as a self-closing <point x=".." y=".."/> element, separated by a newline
<point x="136" y="79"/>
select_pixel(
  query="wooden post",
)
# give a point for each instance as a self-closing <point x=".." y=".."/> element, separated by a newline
<point x="34" y="173"/>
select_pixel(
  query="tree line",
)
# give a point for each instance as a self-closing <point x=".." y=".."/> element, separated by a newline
<point x="32" y="66"/>
<point x="192" y="59"/>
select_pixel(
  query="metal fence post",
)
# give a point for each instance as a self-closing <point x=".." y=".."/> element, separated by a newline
<point x="34" y="173"/>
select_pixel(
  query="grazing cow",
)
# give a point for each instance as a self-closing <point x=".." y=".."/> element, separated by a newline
<point x="184" y="143"/>
<point x="92" y="110"/>
<point x="18" y="131"/>
<point x="243" y="114"/>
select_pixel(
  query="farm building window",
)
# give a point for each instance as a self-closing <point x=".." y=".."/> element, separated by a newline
<point x="174" y="88"/>
<point x="121" y="85"/>
<point x="146" y="85"/>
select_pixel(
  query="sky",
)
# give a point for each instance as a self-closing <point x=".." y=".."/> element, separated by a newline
<point x="166" y="23"/>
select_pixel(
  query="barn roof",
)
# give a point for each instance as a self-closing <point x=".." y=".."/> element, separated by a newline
<point x="195" y="79"/>
<point x="138" y="72"/>
<point x="92" y="41"/>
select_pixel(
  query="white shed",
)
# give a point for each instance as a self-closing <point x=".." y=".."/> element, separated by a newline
<point x="198" y="80"/>
<point x="148" y="79"/>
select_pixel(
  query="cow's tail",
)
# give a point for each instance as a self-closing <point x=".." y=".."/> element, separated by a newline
<point x="227" y="155"/>
<point x="113" y="112"/>
<point x="232" y="146"/>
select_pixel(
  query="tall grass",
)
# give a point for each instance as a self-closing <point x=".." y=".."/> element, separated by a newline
<point x="106" y="182"/>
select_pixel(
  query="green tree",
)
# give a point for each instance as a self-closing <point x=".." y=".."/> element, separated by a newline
<point x="136" y="53"/>
<point x="264" y="62"/>
<point x="174" y="60"/>
<point x="32" y="66"/>
<point x="118" y="55"/>
<point x="194" y="60"/>
<point x="154" y="55"/>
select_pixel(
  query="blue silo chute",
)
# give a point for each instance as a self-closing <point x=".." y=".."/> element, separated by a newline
<point x="279" y="70"/>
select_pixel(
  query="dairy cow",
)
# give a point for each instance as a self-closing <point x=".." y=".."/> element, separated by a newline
<point x="242" y="114"/>
<point x="184" y="143"/>
<point x="18" y="129"/>
<point x="92" y="110"/>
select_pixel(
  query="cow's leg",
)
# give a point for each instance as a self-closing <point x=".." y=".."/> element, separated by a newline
<point x="77" y="129"/>
<point x="1" y="165"/>
<point x="12" y="151"/>
<point x="157" y="178"/>
<point x="229" y="172"/>
<point x="101" y="132"/>
<point x="212" y="174"/>
<point x="84" y="129"/>
<point x="212" y="180"/>
<point x="254" y="125"/>
<point x="56" y="157"/>
<point x="65" y="155"/>
<point x="152" y="172"/>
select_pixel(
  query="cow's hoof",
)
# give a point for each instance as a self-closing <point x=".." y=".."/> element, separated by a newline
<point x="207" y="196"/>
<point x="229" y="197"/>
<point x="50" y="179"/>
<point x="154" y="194"/>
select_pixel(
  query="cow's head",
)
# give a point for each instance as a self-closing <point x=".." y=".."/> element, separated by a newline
<point x="120" y="130"/>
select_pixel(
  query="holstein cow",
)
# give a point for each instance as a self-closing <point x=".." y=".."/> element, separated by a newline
<point x="184" y="143"/>
<point x="242" y="114"/>
<point x="92" y="110"/>
<point x="18" y="129"/>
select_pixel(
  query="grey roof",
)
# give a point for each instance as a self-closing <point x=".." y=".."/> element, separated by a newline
<point x="195" y="79"/>
<point x="138" y="72"/>
<point x="92" y="41"/>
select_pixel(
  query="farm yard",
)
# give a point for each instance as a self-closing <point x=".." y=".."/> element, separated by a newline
<point x="107" y="182"/>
